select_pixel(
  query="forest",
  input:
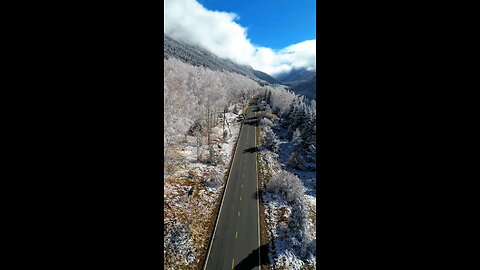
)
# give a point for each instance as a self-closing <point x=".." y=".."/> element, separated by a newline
<point x="201" y="125"/>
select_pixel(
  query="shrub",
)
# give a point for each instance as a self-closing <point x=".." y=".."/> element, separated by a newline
<point x="286" y="185"/>
<point x="265" y="122"/>
<point x="214" y="182"/>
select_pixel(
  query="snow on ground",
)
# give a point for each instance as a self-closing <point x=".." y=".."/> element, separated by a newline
<point x="285" y="251"/>
<point x="192" y="192"/>
<point x="286" y="147"/>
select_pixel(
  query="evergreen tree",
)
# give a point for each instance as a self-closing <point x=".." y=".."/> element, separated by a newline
<point x="296" y="138"/>
<point x="269" y="97"/>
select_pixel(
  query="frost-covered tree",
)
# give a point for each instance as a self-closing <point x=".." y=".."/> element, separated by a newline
<point x="298" y="115"/>
<point x="270" y="140"/>
<point x="287" y="186"/>
<point x="296" y="137"/>
<point x="268" y="96"/>
<point x="195" y="96"/>
<point x="280" y="99"/>
<point x="295" y="116"/>
<point x="309" y="139"/>
<point x="297" y="233"/>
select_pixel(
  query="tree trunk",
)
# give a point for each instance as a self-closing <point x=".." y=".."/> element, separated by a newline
<point x="208" y="124"/>
<point x="224" y="119"/>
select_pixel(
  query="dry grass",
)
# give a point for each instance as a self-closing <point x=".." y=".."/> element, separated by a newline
<point x="198" y="212"/>
<point x="200" y="219"/>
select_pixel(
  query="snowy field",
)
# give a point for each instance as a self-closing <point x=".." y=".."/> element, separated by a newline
<point x="192" y="193"/>
<point x="290" y="224"/>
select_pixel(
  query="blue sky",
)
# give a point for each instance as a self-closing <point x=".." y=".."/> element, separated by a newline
<point x="272" y="23"/>
<point x="271" y="36"/>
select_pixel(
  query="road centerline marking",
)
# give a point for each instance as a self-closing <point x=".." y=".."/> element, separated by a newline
<point x="223" y="197"/>
<point x="233" y="260"/>
<point x="240" y="198"/>
<point x="238" y="214"/>
<point x="236" y="235"/>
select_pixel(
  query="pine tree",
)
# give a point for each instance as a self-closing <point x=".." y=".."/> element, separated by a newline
<point x="296" y="161"/>
<point x="288" y="114"/>
<point x="296" y="138"/>
<point x="269" y="97"/>
<point x="308" y="144"/>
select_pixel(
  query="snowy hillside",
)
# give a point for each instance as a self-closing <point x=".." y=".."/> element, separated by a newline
<point x="301" y="81"/>
<point x="197" y="56"/>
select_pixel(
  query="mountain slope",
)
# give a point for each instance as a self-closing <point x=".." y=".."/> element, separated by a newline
<point x="308" y="87"/>
<point x="296" y="75"/>
<point x="197" y="56"/>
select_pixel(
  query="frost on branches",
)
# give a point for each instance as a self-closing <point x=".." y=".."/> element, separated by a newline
<point x="270" y="140"/>
<point x="200" y="129"/>
<point x="289" y="173"/>
<point x="287" y="185"/>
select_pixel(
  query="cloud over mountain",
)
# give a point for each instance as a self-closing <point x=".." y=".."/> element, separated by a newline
<point x="219" y="33"/>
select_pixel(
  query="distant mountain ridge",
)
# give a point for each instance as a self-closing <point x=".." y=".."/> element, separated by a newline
<point x="197" y="56"/>
<point x="308" y="87"/>
<point x="301" y="81"/>
<point x="301" y="74"/>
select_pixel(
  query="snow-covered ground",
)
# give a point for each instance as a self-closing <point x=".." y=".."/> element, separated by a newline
<point x="286" y="147"/>
<point x="192" y="192"/>
<point x="292" y="238"/>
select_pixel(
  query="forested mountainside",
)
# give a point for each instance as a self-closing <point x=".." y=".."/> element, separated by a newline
<point x="197" y="56"/>
<point x="308" y="88"/>
<point x="301" y="81"/>
<point x="301" y="74"/>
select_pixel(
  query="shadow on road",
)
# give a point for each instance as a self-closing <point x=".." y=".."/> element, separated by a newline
<point x="255" y="195"/>
<point x="251" y="150"/>
<point x="252" y="259"/>
<point x="251" y="122"/>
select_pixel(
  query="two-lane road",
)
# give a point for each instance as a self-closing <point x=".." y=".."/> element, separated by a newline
<point x="236" y="239"/>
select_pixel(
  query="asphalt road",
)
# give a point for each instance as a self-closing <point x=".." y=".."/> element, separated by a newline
<point x="236" y="241"/>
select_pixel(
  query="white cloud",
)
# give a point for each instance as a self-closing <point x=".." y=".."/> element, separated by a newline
<point x="218" y="32"/>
